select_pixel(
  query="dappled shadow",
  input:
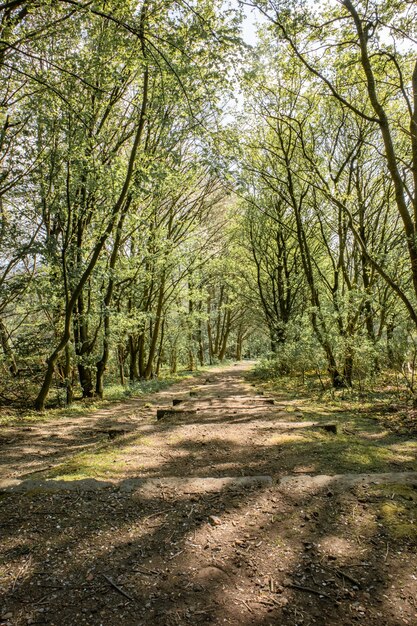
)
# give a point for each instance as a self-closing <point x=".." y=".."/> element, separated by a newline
<point x="33" y="446"/>
<point x="176" y="554"/>
<point x="112" y="557"/>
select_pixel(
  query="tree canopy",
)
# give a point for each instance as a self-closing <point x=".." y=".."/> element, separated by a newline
<point x="172" y="196"/>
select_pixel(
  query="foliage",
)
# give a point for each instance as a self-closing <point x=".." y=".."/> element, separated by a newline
<point x="145" y="228"/>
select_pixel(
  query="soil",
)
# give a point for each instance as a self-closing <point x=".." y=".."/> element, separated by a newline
<point x="230" y="509"/>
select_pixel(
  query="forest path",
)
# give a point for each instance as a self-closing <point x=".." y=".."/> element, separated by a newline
<point x="222" y="426"/>
<point x="186" y="544"/>
<point x="30" y="448"/>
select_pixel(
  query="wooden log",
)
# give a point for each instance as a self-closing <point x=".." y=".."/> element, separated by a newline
<point x="114" y="431"/>
<point x="163" y="413"/>
<point x="329" y="428"/>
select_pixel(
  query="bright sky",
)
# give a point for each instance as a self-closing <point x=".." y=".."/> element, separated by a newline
<point x="249" y="25"/>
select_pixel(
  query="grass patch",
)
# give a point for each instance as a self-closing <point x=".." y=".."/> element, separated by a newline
<point x="115" y="393"/>
<point x="380" y="394"/>
<point x="365" y="441"/>
<point x="34" y="417"/>
<point x="105" y="461"/>
<point x="100" y="463"/>
<point x="339" y="454"/>
<point x="286" y="438"/>
<point x="87" y="465"/>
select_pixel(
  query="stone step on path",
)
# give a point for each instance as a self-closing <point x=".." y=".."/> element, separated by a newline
<point x="189" y="406"/>
<point x="141" y="486"/>
<point x="148" y="486"/>
<point x="176" y="412"/>
<point x="339" y="482"/>
<point x="181" y="413"/>
<point x="243" y="401"/>
<point x="253" y="405"/>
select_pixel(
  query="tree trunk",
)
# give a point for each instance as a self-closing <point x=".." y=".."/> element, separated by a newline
<point x="160" y="350"/>
<point x="115" y="211"/>
<point x="86" y="380"/>
<point x="200" y="343"/>
<point x="173" y="361"/>
<point x="121" y="361"/>
<point x="100" y="368"/>
<point x="239" y="349"/>
<point x="155" y="330"/>
<point x="133" y="363"/>
<point x="225" y="335"/>
<point x="83" y="348"/>
<point x="209" y="332"/>
<point x="7" y="349"/>
<point x="102" y="363"/>
<point x="141" y="355"/>
<point x="68" y="375"/>
<point x="390" y="337"/>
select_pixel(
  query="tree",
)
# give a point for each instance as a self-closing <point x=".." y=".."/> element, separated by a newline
<point x="379" y="89"/>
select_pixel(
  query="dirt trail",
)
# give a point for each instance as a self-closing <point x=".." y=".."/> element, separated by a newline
<point x="173" y="548"/>
<point x="223" y="427"/>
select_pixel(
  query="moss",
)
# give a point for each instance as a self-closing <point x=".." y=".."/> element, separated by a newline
<point x="98" y="464"/>
<point x="364" y="443"/>
<point x="344" y="453"/>
<point x="395" y="491"/>
<point x="144" y="441"/>
<point x="86" y="465"/>
<point x="397" y="510"/>
<point x="285" y="438"/>
<point x="107" y="460"/>
<point x="399" y="520"/>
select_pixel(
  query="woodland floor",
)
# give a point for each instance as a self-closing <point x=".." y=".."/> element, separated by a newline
<point x="116" y="518"/>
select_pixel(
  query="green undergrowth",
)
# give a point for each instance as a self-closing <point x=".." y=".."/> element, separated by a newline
<point x="372" y="435"/>
<point x="382" y="403"/>
<point x="383" y="389"/>
<point x="92" y="464"/>
<point x="112" y="394"/>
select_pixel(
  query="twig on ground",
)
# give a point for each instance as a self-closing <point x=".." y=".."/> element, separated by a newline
<point x="352" y="580"/>
<point x="266" y="602"/>
<point x="22" y="571"/>
<point x="246" y="605"/>
<point x="145" y="570"/>
<point x="156" y="514"/>
<point x="317" y="592"/>
<point x="46" y="596"/>
<point x="37" y="471"/>
<point x="119" y="589"/>
<point x="174" y="555"/>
